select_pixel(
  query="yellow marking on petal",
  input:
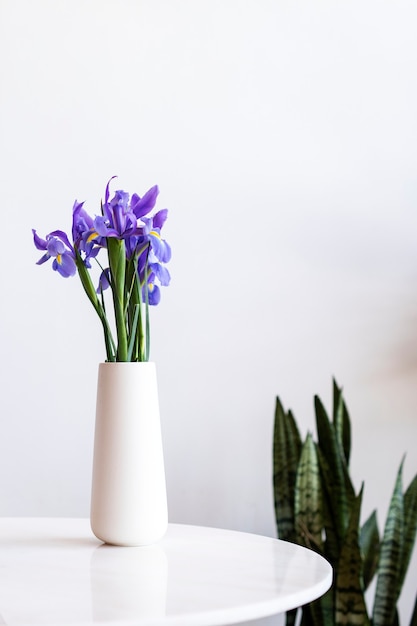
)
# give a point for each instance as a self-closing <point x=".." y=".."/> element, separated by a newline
<point x="92" y="236"/>
<point x="59" y="258"/>
<point x="155" y="234"/>
<point x="151" y="286"/>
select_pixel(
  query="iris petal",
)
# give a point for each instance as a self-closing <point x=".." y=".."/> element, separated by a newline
<point x="161" y="249"/>
<point x="161" y="273"/>
<point x="154" y="294"/>
<point x="142" y="206"/>
<point x="104" y="281"/>
<point x="62" y="236"/>
<point x="39" y="243"/>
<point x="43" y="259"/>
<point x="159" y="218"/>
<point x="55" y="247"/>
<point x="64" y="264"/>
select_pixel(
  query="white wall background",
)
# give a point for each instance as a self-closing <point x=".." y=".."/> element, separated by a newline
<point x="283" y="137"/>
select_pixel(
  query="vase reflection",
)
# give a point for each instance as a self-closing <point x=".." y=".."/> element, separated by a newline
<point x="128" y="583"/>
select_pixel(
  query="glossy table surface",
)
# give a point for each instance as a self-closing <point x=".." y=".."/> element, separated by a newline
<point x="53" y="571"/>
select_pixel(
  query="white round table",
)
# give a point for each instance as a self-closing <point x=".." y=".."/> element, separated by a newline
<point x="53" y="571"/>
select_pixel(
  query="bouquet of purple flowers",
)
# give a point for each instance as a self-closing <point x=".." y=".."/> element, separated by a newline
<point x="136" y="257"/>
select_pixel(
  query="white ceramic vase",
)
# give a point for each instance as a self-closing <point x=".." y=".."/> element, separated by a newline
<point x="128" y="500"/>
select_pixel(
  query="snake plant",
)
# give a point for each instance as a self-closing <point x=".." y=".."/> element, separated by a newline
<point x="317" y="506"/>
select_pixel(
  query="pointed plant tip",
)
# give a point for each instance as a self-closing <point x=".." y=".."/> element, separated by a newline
<point x="317" y="401"/>
<point x="279" y="404"/>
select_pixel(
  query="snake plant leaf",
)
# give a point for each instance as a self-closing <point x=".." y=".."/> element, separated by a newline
<point x="291" y="617"/>
<point x="286" y="454"/>
<point x="341" y="421"/>
<point x="319" y="612"/>
<point x="340" y="490"/>
<point x="389" y="568"/>
<point x="332" y="543"/>
<point x="413" y="621"/>
<point x="369" y="544"/>
<point x="350" y="607"/>
<point x="308" y="498"/>
<point x="314" y="615"/>
<point x="306" y="617"/>
<point x="410" y="529"/>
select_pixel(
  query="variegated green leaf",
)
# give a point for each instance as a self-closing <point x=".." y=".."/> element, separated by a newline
<point x="389" y="568"/>
<point x="369" y="544"/>
<point x="291" y="617"/>
<point x="410" y="529"/>
<point x="341" y="421"/>
<point x="341" y="492"/>
<point x="350" y="607"/>
<point x="332" y="543"/>
<point x="306" y="617"/>
<point x="286" y="454"/>
<point x="308" y="498"/>
<point x="320" y="612"/>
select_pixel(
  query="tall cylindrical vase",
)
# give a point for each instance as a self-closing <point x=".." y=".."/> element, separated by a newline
<point x="128" y="500"/>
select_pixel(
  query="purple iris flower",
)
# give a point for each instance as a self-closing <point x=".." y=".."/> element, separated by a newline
<point x="125" y="218"/>
<point x="143" y="206"/>
<point x="104" y="280"/>
<point x="156" y="271"/>
<point x="150" y="271"/>
<point x="154" y="294"/>
<point x="161" y="273"/>
<point x="153" y="227"/>
<point x="151" y="239"/>
<point x="86" y="238"/>
<point x="57" y="246"/>
<point x="118" y="219"/>
<point x="81" y="222"/>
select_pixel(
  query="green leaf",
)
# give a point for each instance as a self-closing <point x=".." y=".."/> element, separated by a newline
<point x="286" y="454"/>
<point x="410" y="529"/>
<point x="341" y="421"/>
<point x="340" y="488"/>
<point x="89" y="289"/>
<point x="389" y="568"/>
<point x="369" y="543"/>
<point x="117" y="262"/>
<point x="350" y="607"/>
<point x="147" y="329"/>
<point x="291" y="617"/>
<point x="319" y="612"/>
<point x="306" y="616"/>
<point x="133" y="332"/>
<point x="332" y="543"/>
<point x="308" y="498"/>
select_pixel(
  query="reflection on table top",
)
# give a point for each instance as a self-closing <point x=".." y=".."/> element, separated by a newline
<point x="53" y="571"/>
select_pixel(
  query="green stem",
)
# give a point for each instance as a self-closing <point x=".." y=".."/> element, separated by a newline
<point x="132" y="310"/>
<point x="92" y="296"/>
<point x="117" y="262"/>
